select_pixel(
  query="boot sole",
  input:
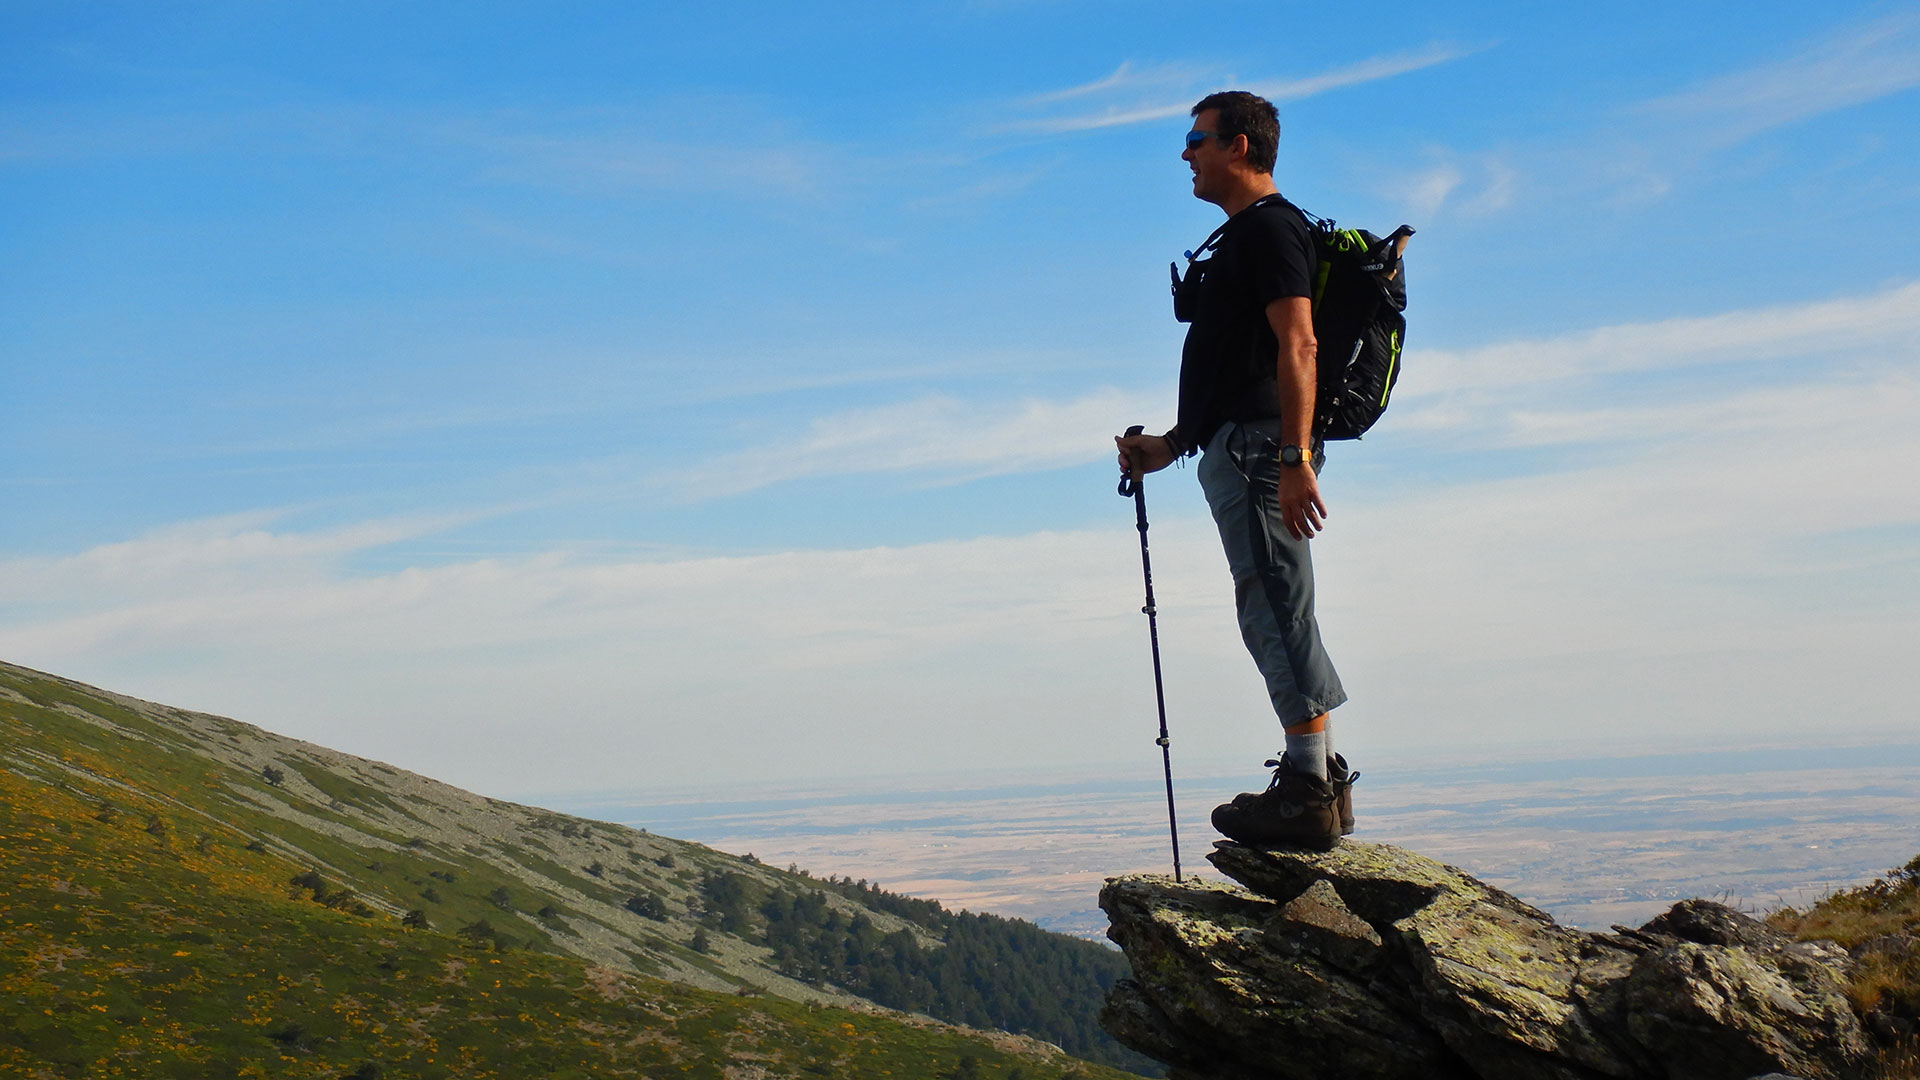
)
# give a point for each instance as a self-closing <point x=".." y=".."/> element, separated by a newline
<point x="1293" y="844"/>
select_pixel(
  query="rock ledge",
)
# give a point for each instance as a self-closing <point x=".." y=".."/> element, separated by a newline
<point x="1374" y="961"/>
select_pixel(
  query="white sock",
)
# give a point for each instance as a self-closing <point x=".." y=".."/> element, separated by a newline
<point x="1308" y="753"/>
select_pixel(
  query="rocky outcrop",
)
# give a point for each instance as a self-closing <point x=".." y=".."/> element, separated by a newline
<point x="1373" y="961"/>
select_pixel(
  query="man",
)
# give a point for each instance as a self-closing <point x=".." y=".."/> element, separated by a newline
<point x="1247" y="378"/>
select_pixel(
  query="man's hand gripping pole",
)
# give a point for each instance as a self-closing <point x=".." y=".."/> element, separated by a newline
<point x="1131" y="485"/>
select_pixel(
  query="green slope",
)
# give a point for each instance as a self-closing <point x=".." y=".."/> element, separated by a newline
<point x="151" y="924"/>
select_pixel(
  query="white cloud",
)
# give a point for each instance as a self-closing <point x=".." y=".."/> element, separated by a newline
<point x="937" y="436"/>
<point x="1647" y="150"/>
<point x="1792" y="374"/>
<point x="201" y="552"/>
<point x="1694" y="584"/>
<point x="1125" y="77"/>
<point x="1518" y="393"/>
<point x="1372" y="69"/>
<point x="1738" y="568"/>
<point x="1138" y="111"/>
<point x="1879" y="320"/>
<point x="1850" y="67"/>
<point x="861" y="660"/>
<point x="1423" y="191"/>
<point x="601" y="154"/>
<point x="1812" y="411"/>
<point x="1477" y="184"/>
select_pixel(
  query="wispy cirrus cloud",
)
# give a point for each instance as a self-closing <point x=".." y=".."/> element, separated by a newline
<point x="1755" y="573"/>
<point x="940" y="437"/>
<point x="476" y="669"/>
<point x="1849" y="323"/>
<point x="1474" y="184"/>
<point x="1583" y="386"/>
<point x="1849" y="67"/>
<point x="1126" y="77"/>
<point x="208" y="554"/>
<point x="1148" y="90"/>
<point x="1814" y="374"/>
<point x="598" y="151"/>
<point x="1640" y="152"/>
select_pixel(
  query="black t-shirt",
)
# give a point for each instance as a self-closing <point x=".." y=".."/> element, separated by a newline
<point x="1227" y="369"/>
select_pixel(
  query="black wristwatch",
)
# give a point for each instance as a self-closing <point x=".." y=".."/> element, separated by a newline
<point x="1292" y="456"/>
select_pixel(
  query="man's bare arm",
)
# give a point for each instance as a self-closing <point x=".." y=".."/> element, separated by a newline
<point x="1291" y="318"/>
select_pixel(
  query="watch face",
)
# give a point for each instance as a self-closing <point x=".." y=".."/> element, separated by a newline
<point x="1290" y="455"/>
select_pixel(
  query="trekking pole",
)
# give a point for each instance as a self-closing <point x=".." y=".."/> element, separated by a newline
<point x="1131" y="485"/>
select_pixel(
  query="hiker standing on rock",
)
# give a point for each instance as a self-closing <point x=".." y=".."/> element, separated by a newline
<point x="1247" y="379"/>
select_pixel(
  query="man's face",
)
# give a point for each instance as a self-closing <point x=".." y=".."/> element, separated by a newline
<point x="1210" y="159"/>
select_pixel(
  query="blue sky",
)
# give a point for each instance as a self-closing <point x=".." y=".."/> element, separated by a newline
<point x="726" y="391"/>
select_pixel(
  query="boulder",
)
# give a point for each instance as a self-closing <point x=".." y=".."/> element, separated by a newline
<point x="1370" y="960"/>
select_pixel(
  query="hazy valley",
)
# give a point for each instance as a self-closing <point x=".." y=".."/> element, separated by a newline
<point x="1596" y="841"/>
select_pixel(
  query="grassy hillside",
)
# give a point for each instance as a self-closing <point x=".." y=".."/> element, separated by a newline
<point x="185" y="895"/>
<point x="1879" y="923"/>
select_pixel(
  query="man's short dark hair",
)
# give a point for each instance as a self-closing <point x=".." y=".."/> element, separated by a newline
<point x="1251" y="115"/>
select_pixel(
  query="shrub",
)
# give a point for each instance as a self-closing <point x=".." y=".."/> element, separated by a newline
<point x="344" y="900"/>
<point x="483" y="933"/>
<point x="415" y="920"/>
<point x="648" y="906"/>
<point x="272" y="775"/>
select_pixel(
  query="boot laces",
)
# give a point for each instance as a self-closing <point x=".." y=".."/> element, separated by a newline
<point x="1281" y="767"/>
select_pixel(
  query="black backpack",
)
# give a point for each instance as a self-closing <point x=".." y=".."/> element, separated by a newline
<point x="1359" y="293"/>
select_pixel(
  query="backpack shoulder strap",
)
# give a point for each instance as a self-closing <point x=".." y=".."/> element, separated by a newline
<point x="1275" y="199"/>
<point x="1213" y="238"/>
<point x="1314" y="221"/>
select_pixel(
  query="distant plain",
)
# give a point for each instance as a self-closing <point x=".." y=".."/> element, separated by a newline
<point x="1594" y="840"/>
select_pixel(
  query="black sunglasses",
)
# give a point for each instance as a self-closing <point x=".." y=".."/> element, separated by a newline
<point x="1195" y="138"/>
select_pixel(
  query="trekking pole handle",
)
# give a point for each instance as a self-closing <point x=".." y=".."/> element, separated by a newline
<point x="1128" y="484"/>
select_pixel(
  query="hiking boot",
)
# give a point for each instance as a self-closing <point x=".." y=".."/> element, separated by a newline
<point x="1342" y="778"/>
<point x="1296" y="810"/>
<point x="1339" y="777"/>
